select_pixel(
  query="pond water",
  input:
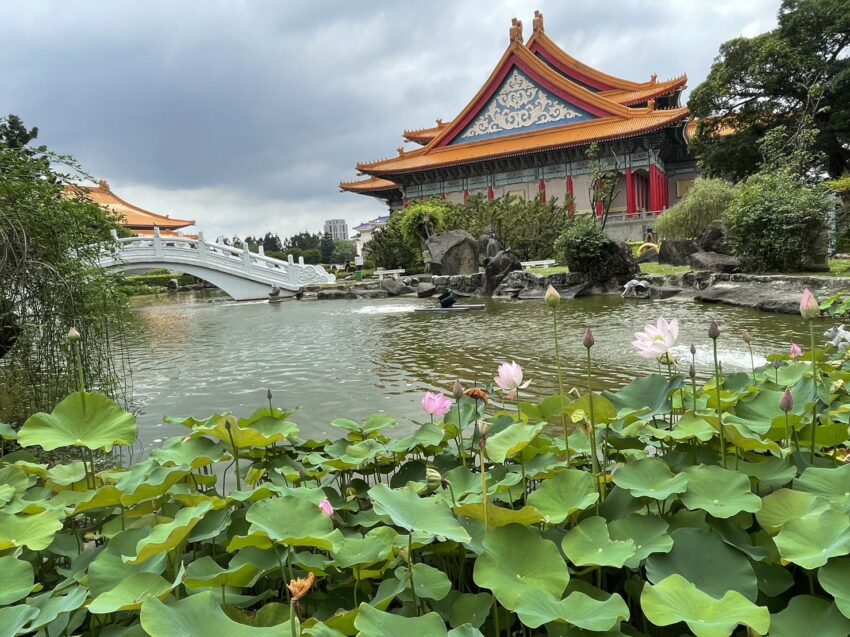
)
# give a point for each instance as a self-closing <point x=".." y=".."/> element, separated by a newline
<point x="193" y="357"/>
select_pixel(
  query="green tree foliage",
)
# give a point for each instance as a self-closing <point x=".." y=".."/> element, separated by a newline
<point x="603" y="183"/>
<point x="388" y="249"/>
<point x="797" y="76"/>
<point x="583" y="244"/>
<point x="303" y="241"/>
<point x="49" y="282"/>
<point x="701" y="208"/>
<point x="775" y="222"/>
<point x="326" y="248"/>
<point x="13" y="134"/>
<point x="344" y="250"/>
<point x="272" y="242"/>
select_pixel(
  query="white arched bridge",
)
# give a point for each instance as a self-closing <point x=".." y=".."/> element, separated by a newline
<point x="242" y="274"/>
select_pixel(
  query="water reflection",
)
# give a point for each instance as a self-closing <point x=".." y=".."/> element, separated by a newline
<point x="353" y="358"/>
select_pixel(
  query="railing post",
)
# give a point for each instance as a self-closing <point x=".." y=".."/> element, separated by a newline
<point x="114" y="234"/>
<point x="202" y="247"/>
<point x="301" y="261"/>
<point x="246" y="257"/>
<point x="157" y="242"/>
<point x="261" y="250"/>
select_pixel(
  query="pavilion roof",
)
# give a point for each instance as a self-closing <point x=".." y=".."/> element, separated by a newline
<point x="370" y="185"/>
<point x="134" y="217"/>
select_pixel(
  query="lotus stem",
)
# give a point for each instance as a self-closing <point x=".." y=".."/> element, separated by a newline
<point x="787" y="437"/>
<point x="594" y="461"/>
<point x="235" y="457"/>
<point x="460" y="434"/>
<point x="752" y="363"/>
<point x="78" y="363"/>
<point x="560" y="384"/>
<point x="294" y="624"/>
<point x="481" y="443"/>
<point x="814" y="391"/>
<point x="719" y="416"/>
<point x="410" y="572"/>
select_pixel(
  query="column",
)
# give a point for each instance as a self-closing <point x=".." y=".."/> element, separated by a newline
<point x="541" y="187"/>
<point x="572" y="207"/>
<point x="490" y="193"/>
<point x="654" y="188"/>
<point x="465" y="195"/>
<point x="631" y="203"/>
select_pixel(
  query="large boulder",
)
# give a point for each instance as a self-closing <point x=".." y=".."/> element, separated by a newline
<point x="424" y="290"/>
<point x="650" y="255"/>
<point x="488" y="247"/>
<point x="394" y="287"/>
<point x="713" y="239"/>
<point x="615" y="263"/>
<point x="450" y="253"/>
<point x="497" y="268"/>
<point x="714" y="262"/>
<point x="676" y="251"/>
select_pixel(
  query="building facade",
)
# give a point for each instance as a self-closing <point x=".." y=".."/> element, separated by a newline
<point x="527" y="131"/>
<point x="337" y="229"/>
<point x="363" y="233"/>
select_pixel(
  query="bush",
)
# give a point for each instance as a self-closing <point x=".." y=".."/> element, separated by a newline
<point x="582" y="245"/>
<point x="775" y="223"/>
<point x="701" y="208"/>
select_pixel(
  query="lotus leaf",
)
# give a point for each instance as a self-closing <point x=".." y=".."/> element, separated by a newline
<point x="773" y="579"/>
<point x="428" y="582"/>
<point x="35" y="532"/>
<point x="406" y="509"/>
<point x="740" y="436"/>
<point x="809" y="615"/>
<point x="194" y="452"/>
<point x="689" y="427"/>
<point x="517" y="559"/>
<point x="67" y="474"/>
<point x="831" y="484"/>
<point x="18" y="579"/>
<point x="371" y="622"/>
<point x="650" y="478"/>
<point x="83" y="419"/>
<point x="108" y="568"/>
<point x="771" y="472"/>
<point x="167" y="536"/>
<point x="536" y="608"/>
<point x="7" y="432"/>
<point x="720" y="492"/>
<point x="213" y="523"/>
<point x="784" y="505"/>
<point x="835" y="579"/>
<point x="471" y="609"/>
<point x="130" y="592"/>
<point x="511" y="440"/>
<point x="320" y="630"/>
<point x="829" y="434"/>
<point x="50" y="606"/>
<point x="648" y="395"/>
<point x="589" y="544"/>
<point x="648" y="532"/>
<point x="675" y="599"/>
<point x="295" y="522"/>
<point x="499" y="516"/>
<point x="243" y="434"/>
<point x="206" y="573"/>
<point x="467" y="630"/>
<point x="370" y="428"/>
<point x="14" y="618"/>
<point x="199" y="616"/>
<point x="703" y="559"/>
<point x="376" y="546"/>
<point x="811" y="541"/>
<point x="568" y="492"/>
<point x="147" y="480"/>
<point x="603" y="409"/>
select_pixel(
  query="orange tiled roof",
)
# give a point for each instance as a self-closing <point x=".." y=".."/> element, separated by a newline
<point x="134" y="217"/>
<point x="373" y="184"/>
<point x="648" y="93"/>
<point x="425" y="135"/>
<point x="725" y="130"/>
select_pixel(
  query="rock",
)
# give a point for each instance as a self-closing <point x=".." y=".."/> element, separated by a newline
<point x="649" y="256"/>
<point x="658" y="293"/>
<point x="676" y="251"/>
<point x="452" y="252"/>
<point x="173" y="285"/>
<point x="366" y="293"/>
<point x="614" y="267"/>
<point x="334" y="293"/>
<point x="714" y="262"/>
<point x="424" y="290"/>
<point x="394" y="287"/>
<point x="497" y="268"/>
<point x="637" y="289"/>
<point x="488" y="247"/>
<point x="713" y="239"/>
<point x="756" y="296"/>
<point x="470" y="285"/>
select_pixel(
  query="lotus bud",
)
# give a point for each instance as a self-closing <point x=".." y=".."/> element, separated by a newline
<point x="713" y="331"/>
<point x="809" y="308"/>
<point x="433" y="479"/>
<point x="553" y="299"/>
<point x="693" y="349"/>
<point x="786" y="403"/>
<point x="745" y="336"/>
<point x="485" y="428"/>
<point x="588" y="339"/>
<point x="457" y="390"/>
<point x="692" y="372"/>
<point x="269" y="393"/>
<point x="326" y="507"/>
<point x="777" y="364"/>
<point x="73" y="335"/>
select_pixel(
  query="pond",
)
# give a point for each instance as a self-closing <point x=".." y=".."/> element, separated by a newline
<point x="193" y="357"/>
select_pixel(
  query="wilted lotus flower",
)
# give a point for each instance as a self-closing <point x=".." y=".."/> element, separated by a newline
<point x="795" y="351"/>
<point x="299" y="587"/>
<point x="510" y="377"/>
<point x="435" y="404"/>
<point x="457" y="390"/>
<point x="656" y="340"/>
<point x="809" y="308"/>
<point x="786" y="403"/>
<point x="477" y="393"/>
<point x="745" y="336"/>
<point x="73" y="335"/>
<point x="553" y="299"/>
<point x="326" y="507"/>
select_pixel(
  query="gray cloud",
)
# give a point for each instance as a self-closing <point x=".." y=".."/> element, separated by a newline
<point x="245" y="115"/>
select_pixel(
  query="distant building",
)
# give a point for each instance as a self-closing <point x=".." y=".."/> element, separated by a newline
<point x="337" y="228"/>
<point x="364" y="232"/>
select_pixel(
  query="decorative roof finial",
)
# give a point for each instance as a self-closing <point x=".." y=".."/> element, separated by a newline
<point x="103" y="185"/>
<point x="653" y="78"/>
<point x="400" y="150"/>
<point x="650" y="105"/>
<point x="537" y="23"/>
<point x="516" y="30"/>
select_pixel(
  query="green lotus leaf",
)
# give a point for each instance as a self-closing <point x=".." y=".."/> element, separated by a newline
<point x="589" y="544"/>
<point x="320" y="629"/>
<point x="811" y="541"/>
<point x="376" y="546"/>
<point x="246" y="434"/>
<point x="650" y="478"/>
<point x="784" y="505"/>
<point x="213" y="523"/>
<point x="703" y="559"/>
<point x="147" y="480"/>
<point x="18" y="579"/>
<point x="131" y="592"/>
<point x="429" y="582"/>
<point x="675" y="599"/>
<point x="689" y="427"/>
<point x="831" y="484"/>
<point x="66" y="474"/>
<point x="739" y="435"/>
<point x="35" y="532"/>
<point x="108" y="568"/>
<point x="511" y="440"/>
<point x="516" y="559"/>
<point x="467" y="630"/>
<point x="199" y="616"/>
<point x="830" y="434"/>
<point x="809" y="615"/>
<point x="205" y="572"/>
<point x="371" y="622"/>
<point x="648" y="532"/>
<point x="719" y="492"/>
<point x="168" y="535"/>
<point x="773" y="579"/>
<point x="648" y="393"/>
<point x="83" y="419"/>
<point x="7" y="432"/>
<point x="14" y="618"/>
<point x="51" y="606"/>
<point x="370" y="428"/>
<point x="15" y="480"/>
<point x="471" y="609"/>
<point x="430" y="516"/>
<point x="194" y="452"/>
<point x="536" y="608"/>
<point x="835" y="579"/>
<point x="295" y="522"/>
<point x="771" y="472"/>
<point x="603" y="408"/>
<point x="499" y="516"/>
<point x="568" y="492"/>
<point x="345" y="455"/>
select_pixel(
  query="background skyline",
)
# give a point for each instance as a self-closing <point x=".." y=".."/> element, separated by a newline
<point x="246" y="115"/>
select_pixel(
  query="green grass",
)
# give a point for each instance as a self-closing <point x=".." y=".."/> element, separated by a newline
<point x="663" y="269"/>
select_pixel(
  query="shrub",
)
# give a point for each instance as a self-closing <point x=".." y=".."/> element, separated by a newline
<point x="582" y="245"/>
<point x="775" y="223"/>
<point x="701" y="208"/>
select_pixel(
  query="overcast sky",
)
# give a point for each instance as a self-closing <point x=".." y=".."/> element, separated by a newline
<point x="245" y="115"/>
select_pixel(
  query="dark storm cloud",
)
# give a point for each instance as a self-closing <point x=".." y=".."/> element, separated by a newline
<point x="245" y="115"/>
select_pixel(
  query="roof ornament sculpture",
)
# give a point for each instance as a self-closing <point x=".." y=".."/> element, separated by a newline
<point x="515" y="31"/>
<point x="104" y="185"/>
<point x="653" y="78"/>
<point x="537" y="22"/>
<point x="401" y="151"/>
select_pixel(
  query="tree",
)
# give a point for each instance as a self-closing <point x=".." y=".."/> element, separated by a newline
<point x="344" y="250"/>
<point x="603" y="184"/>
<point x="326" y="248"/>
<point x="272" y="243"/>
<point x="303" y="241"/>
<point x="13" y="134"/>
<point x="701" y="208"/>
<point x="796" y="76"/>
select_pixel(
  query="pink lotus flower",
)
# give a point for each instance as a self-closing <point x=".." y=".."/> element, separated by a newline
<point x="809" y="307"/>
<point x="435" y="404"/>
<point x="326" y="508"/>
<point x="795" y="351"/>
<point x="510" y="378"/>
<point x="656" y="340"/>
